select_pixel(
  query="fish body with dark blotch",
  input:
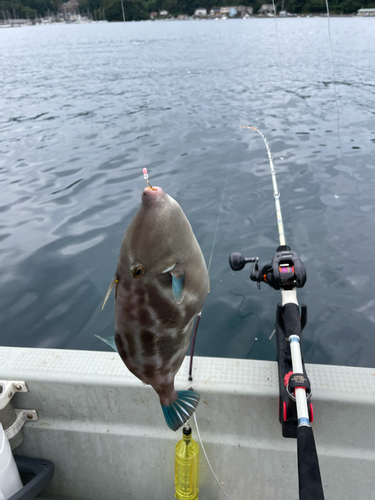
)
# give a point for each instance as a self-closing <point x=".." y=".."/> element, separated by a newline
<point x="161" y="284"/>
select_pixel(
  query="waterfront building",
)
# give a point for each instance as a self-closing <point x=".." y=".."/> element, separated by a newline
<point x="200" y="13"/>
<point x="266" y="9"/>
<point x="366" y="12"/>
<point x="215" y="12"/>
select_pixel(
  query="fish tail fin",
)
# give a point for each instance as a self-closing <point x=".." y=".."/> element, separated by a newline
<point x="182" y="408"/>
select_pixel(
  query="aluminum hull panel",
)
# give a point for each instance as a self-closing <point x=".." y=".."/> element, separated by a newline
<point x="106" y="434"/>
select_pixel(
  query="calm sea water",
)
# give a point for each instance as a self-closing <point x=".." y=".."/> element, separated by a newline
<point x="85" y="107"/>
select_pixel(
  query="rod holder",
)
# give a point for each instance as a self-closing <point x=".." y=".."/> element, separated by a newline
<point x="13" y="419"/>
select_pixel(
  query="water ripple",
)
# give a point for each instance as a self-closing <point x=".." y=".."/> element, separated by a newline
<point x="76" y="134"/>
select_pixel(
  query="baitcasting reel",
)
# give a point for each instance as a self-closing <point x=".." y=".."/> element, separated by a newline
<point x="285" y="271"/>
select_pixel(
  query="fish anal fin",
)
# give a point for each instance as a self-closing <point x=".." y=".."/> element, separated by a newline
<point x="182" y="408"/>
<point x="109" y="341"/>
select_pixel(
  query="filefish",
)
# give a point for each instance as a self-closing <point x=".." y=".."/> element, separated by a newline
<point x="161" y="283"/>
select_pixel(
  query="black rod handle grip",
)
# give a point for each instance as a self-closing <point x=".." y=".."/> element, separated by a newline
<point x="310" y="482"/>
<point x="292" y="320"/>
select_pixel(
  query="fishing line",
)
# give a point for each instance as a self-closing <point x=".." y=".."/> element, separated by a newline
<point x="280" y="61"/>
<point x="190" y="387"/>
<point x="205" y="454"/>
<point x="136" y="113"/>
<point x="336" y="100"/>
<point x="218" y="217"/>
<point x="279" y="54"/>
<point x="140" y="139"/>
<point x="190" y="377"/>
<point x="208" y="269"/>
<point x="334" y="82"/>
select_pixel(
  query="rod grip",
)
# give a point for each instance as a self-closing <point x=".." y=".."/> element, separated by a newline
<point x="292" y="320"/>
<point x="310" y="482"/>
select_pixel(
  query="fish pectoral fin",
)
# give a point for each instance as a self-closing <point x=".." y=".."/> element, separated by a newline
<point x="109" y="341"/>
<point x="113" y="282"/>
<point x="178" y="282"/>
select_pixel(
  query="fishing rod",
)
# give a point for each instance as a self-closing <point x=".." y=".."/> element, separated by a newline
<point x="286" y="272"/>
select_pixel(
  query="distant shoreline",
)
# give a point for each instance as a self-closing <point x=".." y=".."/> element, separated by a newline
<point x="20" y="23"/>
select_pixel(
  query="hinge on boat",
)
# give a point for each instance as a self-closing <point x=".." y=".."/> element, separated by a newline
<point x="13" y="419"/>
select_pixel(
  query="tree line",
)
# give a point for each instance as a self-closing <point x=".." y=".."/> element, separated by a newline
<point x="136" y="10"/>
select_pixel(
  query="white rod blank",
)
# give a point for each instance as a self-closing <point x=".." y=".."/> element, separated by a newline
<point x="276" y="192"/>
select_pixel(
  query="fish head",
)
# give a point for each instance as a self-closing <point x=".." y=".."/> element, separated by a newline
<point x="152" y="225"/>
<point x="160" y="256"/>
<point x="152" y="242"/>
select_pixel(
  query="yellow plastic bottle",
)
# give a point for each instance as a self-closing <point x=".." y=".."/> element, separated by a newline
<point x="187" y="467"/>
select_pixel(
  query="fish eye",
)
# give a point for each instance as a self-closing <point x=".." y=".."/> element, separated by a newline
<point x="136" y="271"/>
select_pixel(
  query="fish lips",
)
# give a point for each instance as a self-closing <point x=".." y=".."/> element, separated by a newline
<point x="152" y="196"/>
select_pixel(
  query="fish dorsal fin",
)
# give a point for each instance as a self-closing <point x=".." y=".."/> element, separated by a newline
<point x="178" y="282"/>
<point x="113" y="282"/>
<point x="108" y="340"/>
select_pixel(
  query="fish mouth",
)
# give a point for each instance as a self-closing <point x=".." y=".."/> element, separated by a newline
<point x="152" y="195"/>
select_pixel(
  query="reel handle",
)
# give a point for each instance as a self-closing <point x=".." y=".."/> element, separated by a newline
<point x="237" y="261"/>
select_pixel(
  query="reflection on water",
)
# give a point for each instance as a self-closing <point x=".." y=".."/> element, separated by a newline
<point x="86" y="107"/>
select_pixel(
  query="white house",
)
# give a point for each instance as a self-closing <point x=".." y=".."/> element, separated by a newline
<point x="200" y="13"/>
<point x="366" y="12"/>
